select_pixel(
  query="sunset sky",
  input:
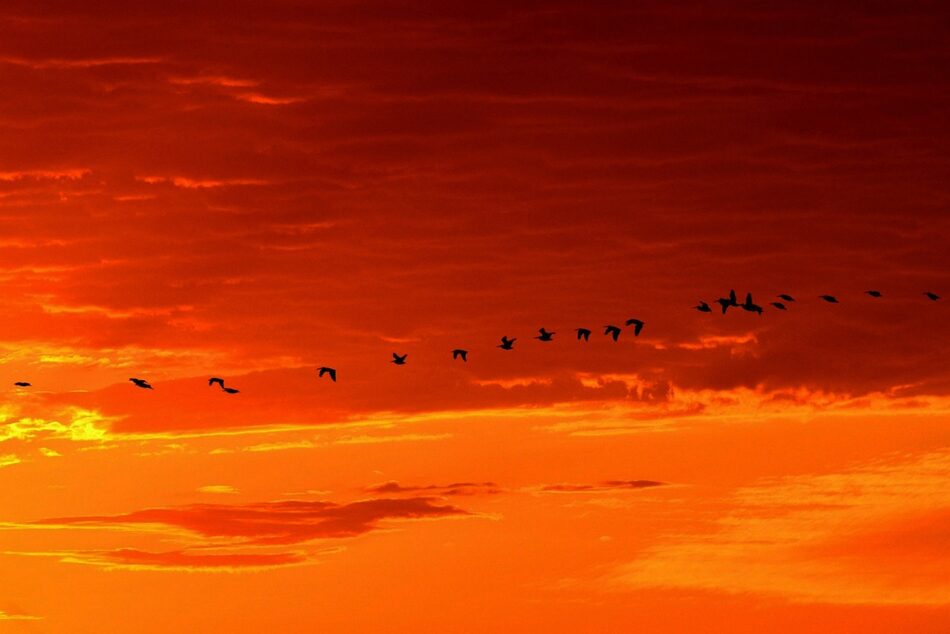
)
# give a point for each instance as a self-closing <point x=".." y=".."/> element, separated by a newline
<point x="252" y="190"/>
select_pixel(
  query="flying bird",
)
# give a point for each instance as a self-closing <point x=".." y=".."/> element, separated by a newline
<point x="230" y="390"/>
<point x="779" y="305"/>
<point x="703" y="307"/>
<point x="637" y="326"/>
<point x="613" y="331"/>
<point x="22" y="384"/>
<point x="400" y="360"/>
<point x="583" y="333"/>
<point x="751" y="306"/>
<point x="460" y="354"/>
<point x="325" y="370"/>
<point x="786" y="297"/>
<point x="142" y="383"/>
<point x="874" y="293"/>
<point x="932" y="296"/>
<point x="507" y="344"/>
<point x="214" y="380"/>
<point x="726" y="303"/>
<point x="545" y="335"/>
<point x="831" y="299"/>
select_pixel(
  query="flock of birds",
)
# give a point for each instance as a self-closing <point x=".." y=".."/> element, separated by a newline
<point x="583" y="334"/>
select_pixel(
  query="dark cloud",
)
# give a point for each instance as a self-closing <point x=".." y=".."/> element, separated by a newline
<point x="606" y="485"/>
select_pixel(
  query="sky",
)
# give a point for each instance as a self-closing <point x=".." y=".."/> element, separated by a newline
<point x="255" y="190"/>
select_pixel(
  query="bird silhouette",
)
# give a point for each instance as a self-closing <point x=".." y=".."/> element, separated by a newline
<point x="460" y="354"/>
<point x="932" y="296"/>
<point x="779" y="305"/>
<point x="703" y="307"/>
<point x="874" y="293"/>
<point x="325" y="370"/>
<point x="583" y="333"/>
<point x="214" y="380"/>
<point x="400" y="360"/>
<point x="726" y="303"/>
<point x="230" y="390"/>
<point x="831" y="299"/>
<point x="637" y="326"/>
<point x="22" y="384"/>
<point x="507" y="344"/>
<point x="142" y="383"/>
<point x="613" y="331"/>
<point x="545" y="335"/>
<point x="751" y="306"/>
<point x="786" y="297"/>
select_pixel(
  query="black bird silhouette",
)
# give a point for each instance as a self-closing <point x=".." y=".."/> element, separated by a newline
<point x="460" y="354"/>
<point x="786" y="297"/>
<point x="751" y="306"/>
<point x="230" y="390"/>
<point x="583" y="333"/>
<point x="214" y="380"/>
<point x="545" y="335"/>
<point x="507" y="344"/>
<point x="22" y="384"/>
<point x="613" y="331"/>
<point x="874" y="293"/>
<point x="400" y="360"/>
<point x="779" y="305"/>
<point x="932" y="296"/>
<point x="142" y="383"/>
<point x="703" y="307"/>
<point x="732" y="301"/>
<point x="325" y="370"/>
<point x="831" y="299"/>
<point x="637" y="326"/>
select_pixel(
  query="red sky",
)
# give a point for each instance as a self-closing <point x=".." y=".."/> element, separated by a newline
<point x="255" y="190"/>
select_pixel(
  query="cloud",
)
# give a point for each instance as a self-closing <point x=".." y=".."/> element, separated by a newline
<point x="456" y="488"/>
<point x="606" y="485"/>
<point x="7" y="616"/>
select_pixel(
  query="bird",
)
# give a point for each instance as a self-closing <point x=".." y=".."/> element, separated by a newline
<point x="583" y="333"/>
<point x="874" y="293"/>
<point x="400" y="360"/>
<point x="545" y="335"/>
<point x="507" y="344"/>
<point x="22" y="384"/>
<point x="142" y="383"/>
<point x="932" y="296"/>
<point x="325" y="370"/>
<point x="230" y="390"/>
<point x="637" y="326"/>
<point x="779" y="305"/>
<point x="751" y="306"/>
<point x="703" y="307"/>
<point x="460" y="354"/>
<point x="214" y="380"/>
<point x="731" y="301"/>
<point x="786" y="297"/>
<point x="613" y="331"/>
<point x="831" y="299"/>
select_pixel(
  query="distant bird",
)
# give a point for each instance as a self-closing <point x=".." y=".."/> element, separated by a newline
<point x="460" y="354"/>
<point x="732" y="301"/>
<point x="325" y="370"/>
<point x="637" y="326"/>
<point x="142" y="383"/>
<point x="703" y="307"/>
<point x="400" y="360"/>
<point x="613" y="331"/>
<point x="583" y="333"/>
<point x="831" y="299"/>
<point x="507" y="344"/>
<point x="22" y="384"/>
<point x="874" y="293"/>
<point x="230" y="390"/>
<point x="751" y="306"/>
<point x="779" y="305"/>
<point x="214" y="380"/>
<point x="786" y="297"/>
<point x="932" y="296"/>
<point x="545" y="335"/>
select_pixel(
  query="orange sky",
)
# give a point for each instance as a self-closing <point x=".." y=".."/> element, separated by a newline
<point x="253" y="190"/>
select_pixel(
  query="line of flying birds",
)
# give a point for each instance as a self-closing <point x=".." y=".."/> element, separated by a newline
<point x="583" y="334"/>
